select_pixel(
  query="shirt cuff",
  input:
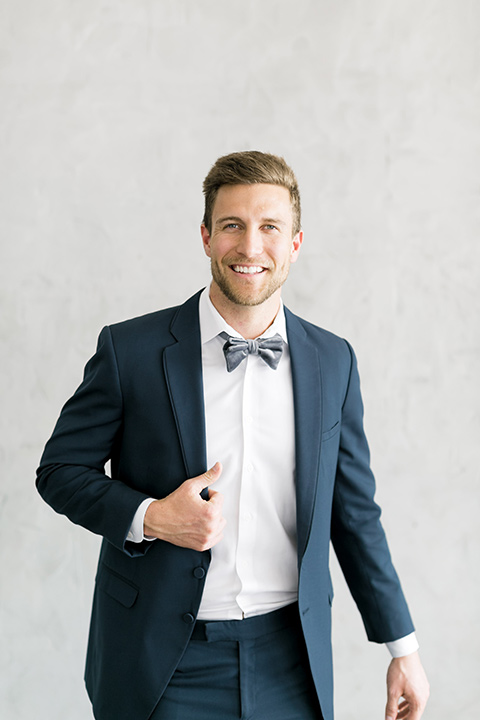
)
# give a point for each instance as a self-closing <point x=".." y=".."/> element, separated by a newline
<point x="135" y="534"/>
<point x="403" y="646"/>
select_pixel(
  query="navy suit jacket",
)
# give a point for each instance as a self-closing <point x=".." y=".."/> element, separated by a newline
<point x="141" y="406"/>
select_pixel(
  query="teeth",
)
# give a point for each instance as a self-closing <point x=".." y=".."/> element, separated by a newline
<point x="248" y="269"/>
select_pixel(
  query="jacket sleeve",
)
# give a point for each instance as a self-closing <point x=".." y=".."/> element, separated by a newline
<point x="71" y="476"/>
<point x="357" y="534"/>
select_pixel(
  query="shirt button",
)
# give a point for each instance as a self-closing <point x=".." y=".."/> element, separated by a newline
<point x="188" y="618"/>
<point x="199" y="573"/>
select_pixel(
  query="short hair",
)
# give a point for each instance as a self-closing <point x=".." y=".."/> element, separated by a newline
<point x="248" y="168"/>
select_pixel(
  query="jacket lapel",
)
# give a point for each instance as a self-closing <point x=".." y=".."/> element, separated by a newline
<point x="306" y="379"/>
<point x="183" y="371"/>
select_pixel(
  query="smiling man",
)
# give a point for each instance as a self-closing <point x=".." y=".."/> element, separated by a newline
<point x="249" y="241"/>
<point x="213" y="594"/>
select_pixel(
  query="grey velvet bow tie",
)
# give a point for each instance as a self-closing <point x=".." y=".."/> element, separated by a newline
<point x="236" y="349"/>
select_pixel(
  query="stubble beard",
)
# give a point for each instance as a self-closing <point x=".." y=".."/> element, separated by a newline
<point x="244" y="297"/>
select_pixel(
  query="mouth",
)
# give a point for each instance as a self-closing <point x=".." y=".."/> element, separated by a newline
<point x="247" y="269"/>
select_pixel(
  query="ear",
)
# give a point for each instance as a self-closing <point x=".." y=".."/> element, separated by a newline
<point x="296" y="245"/>
<point x="205" y="240"/>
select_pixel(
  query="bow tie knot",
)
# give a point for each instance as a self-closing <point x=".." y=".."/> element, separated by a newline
<point x="236" y="349"/>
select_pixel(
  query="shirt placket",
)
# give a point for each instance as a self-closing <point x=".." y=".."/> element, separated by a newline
<point x="247" y="515"/>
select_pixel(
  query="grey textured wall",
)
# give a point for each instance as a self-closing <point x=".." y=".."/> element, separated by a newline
<point x="111" y="114"/>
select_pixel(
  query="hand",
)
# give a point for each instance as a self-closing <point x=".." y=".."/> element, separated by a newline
<point x="183" y="518"/>
<point x="406" y="679"/>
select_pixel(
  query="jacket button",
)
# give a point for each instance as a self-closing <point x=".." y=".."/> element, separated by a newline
<point x="188" y="618"/>
<point x="199" y="573"/>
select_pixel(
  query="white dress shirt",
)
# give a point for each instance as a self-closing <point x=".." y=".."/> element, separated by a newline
<point x="249" y="416"/>
<point x="250" y="429"/>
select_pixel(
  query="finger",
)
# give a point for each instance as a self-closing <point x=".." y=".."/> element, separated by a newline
<point x="207" y="478"/>
<point x="211" y="475"/>
<point x="410" y="710"/>
<point x="391" y="711"/>
<point x="414" y="713"/>
<point x="219" y="534"/>
<point x="215" y="498"/>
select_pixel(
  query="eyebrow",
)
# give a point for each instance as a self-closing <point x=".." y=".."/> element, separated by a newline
<point x="234" y="218"/>
<point x="274" y="221"/>
<point x="229" y="218"/>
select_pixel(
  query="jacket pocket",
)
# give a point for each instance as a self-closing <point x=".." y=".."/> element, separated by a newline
<point x="117" y="587"/>
<point x="331" y="432"/>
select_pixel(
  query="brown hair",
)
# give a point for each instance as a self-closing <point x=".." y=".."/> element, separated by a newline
<point x="248" y="168"/>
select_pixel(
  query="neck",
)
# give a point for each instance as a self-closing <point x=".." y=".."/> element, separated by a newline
<point x="249" y="321"/>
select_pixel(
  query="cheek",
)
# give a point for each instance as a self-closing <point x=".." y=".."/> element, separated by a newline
<point x="283" y="258"/>
<point x="221" y="250"/>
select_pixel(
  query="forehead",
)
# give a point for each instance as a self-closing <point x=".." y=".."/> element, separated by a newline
<point x="258" y="200"/>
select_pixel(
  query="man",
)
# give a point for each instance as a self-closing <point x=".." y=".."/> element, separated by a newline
<point x="213" y="592"/>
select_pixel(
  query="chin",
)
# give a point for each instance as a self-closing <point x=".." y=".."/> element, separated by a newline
<point x="242" y="296"/>
<point x="245" y="298"/>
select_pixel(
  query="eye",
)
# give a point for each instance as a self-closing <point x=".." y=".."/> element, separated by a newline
<point x="230" y="226"/>
<point x="269" y="227"/>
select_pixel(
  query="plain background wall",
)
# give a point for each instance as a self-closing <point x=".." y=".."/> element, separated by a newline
<point x="112" y="112"/>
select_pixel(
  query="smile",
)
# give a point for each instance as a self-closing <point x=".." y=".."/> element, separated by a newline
<point x="248" y="269"/>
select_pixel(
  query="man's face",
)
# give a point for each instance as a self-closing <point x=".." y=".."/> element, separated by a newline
<point x="251" y="245"/>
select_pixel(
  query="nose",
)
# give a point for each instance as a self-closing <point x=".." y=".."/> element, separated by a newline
<point x="250" y="242"/>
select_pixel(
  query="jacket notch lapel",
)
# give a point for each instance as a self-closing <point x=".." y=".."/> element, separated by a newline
<point x="182" y="363"/>
<point x="306" y="379"/>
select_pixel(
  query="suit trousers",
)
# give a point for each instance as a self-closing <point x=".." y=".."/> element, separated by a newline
<point x="252" y="669"/>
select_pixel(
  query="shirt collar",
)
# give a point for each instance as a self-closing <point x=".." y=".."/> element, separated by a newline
<point x="212" y="323"/>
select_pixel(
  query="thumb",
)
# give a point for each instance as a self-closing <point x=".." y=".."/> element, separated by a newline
<point x="213" y="474"/>
<point x="392" y="708"/>
<point x="209" y="477"/>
